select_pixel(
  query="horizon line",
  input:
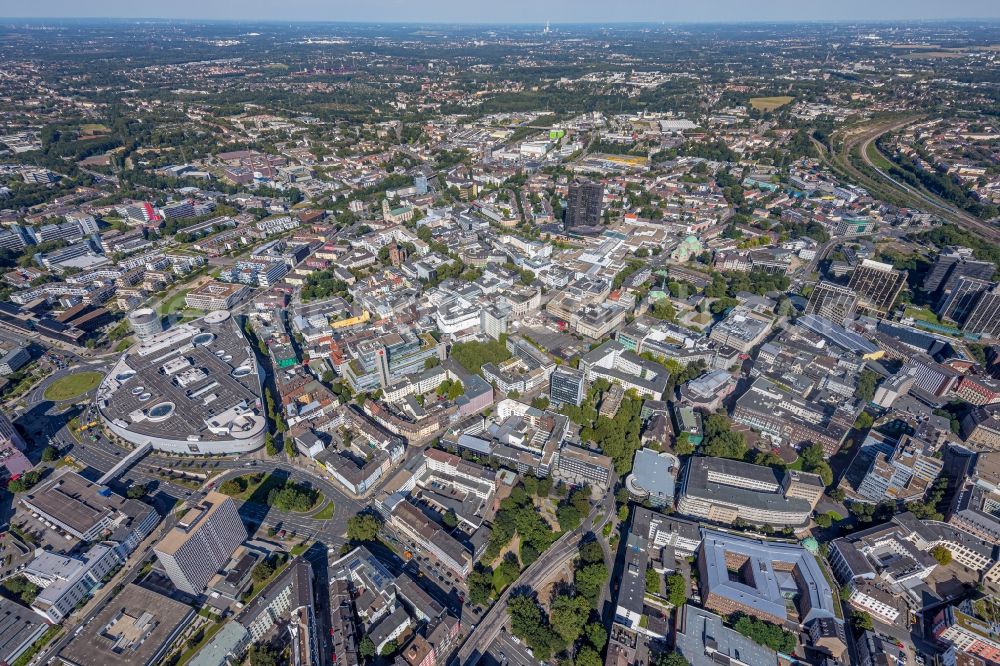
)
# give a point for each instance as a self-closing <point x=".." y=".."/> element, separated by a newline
<point x="636" y="22"/>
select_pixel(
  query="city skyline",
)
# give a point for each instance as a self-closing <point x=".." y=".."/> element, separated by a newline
<point x="520" y="12"/>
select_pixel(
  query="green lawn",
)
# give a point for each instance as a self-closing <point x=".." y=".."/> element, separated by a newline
<point x="326" y="513"/>
<point x="877" y="158"/>
<point x="37" y="646"/>
<point x="770" y="103"/>
<point x="72" y="386"/>
<point x="175" y="303"/>
<point x="922" y="314"/>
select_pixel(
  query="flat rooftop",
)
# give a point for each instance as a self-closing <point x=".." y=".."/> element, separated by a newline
<point x="191" y="522"/>
<point x="715" y="480"/>
<point x="132" y="630"/>
<point x="197" y="382"/>
<point x="74" y="501"/>
<point x="774" y="572"/>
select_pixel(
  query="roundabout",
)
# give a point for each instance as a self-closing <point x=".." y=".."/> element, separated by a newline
<point x="72" y="386"/>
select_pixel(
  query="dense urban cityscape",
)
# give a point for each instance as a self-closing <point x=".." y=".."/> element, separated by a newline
<point x="445" y="345"/>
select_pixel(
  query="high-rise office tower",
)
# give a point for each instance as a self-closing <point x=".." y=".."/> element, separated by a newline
<point x="958" y="303"/>
<point x="566" y="386"/>
<point x="984" y="317"/>
<point x="877" y="285"/>
<point x="9" y="436"/>
<point x="832" y="301"/>
<point x="584" y="205"/>
<point x="201" y="542"/>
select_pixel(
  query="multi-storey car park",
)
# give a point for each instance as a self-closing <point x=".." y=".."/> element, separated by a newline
<point x="193" y="389"/>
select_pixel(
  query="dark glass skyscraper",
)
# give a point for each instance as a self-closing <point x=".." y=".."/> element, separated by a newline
<point x="584" y="205"/>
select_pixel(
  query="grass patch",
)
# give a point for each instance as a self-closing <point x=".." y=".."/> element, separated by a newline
<point x="37" y="646"/>
<point x="93" y="128"/>
<point x="208" y="635"/>
<point x="877" y="158"/>
<point x="770" y="103"/>
<point x="175" y="303"/>
<point x="242" y="487"/>
<point x="922" y="314"/>
<point x="72" y="386"/>
<point x="326" y="513"/>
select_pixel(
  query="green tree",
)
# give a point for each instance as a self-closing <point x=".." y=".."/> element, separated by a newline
<point x="262" y="655"/>
<point x="652" y="581"/>
<point x="262" y="571"/>
<point x="672" y="659"/>
<point x="676" y="590"/>
<point x="864" y="421"/>
<point x="25" y="483"/>
<point x="683" y="445"/>
<point x="590" y="579"/>
<point x="506" y="572"/>
<point x="363" y="527"/>
<point x="942" y="554"/>
<point x="567" y="616"/>
<point x="813" y="455"/>
<point x="473" y="355"/>
<point x="49" y="453"/>
<point x="449" y="519"/>
<point x="530" y="484"/>
<point x="664" y="310"/>
<point x="721" y="441"/>
<point x="569" y="517"/>
<point x="824" y="471"/>
<point x="22" y="588"/>
<point x="544" y="487"/>
<point x="588" y="656"/>
<point x="867" y="383"/>
<point x="366" y="648"/>
<point x="233" y="487"/>
<point x="591" y="551"/>
<point x="596" y="634"/>
<point x="728" y="444"/>
<point x="528" y="624"/>
<point x="136" y="491"/>
<point x="480" y="583"/>
<point x="389" y="648"/>
<point x="862" y="621"/>
<point x="765" y="633"/>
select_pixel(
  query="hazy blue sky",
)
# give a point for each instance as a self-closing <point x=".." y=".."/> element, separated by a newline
<point x="520" y="11"/>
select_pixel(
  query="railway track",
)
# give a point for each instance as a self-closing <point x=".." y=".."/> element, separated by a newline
<point x="861" y="139"/>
